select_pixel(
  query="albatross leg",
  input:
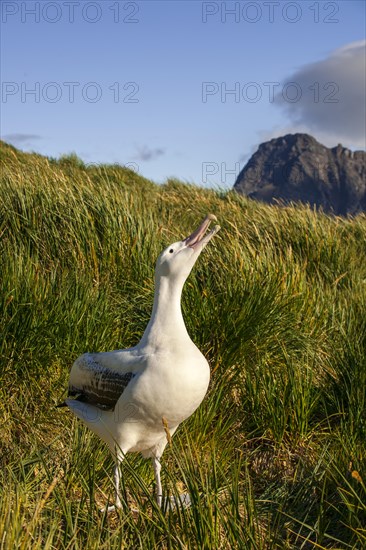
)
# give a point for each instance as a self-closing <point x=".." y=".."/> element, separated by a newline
<point x="159" y="489"/>
<point x="184" y="499"/>
<point x="117" y="479"/>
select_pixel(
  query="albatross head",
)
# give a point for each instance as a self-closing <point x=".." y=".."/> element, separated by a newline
<point x="177" y="260"/>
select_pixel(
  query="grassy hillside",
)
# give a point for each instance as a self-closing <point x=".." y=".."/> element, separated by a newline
<point x="275" y="458"/>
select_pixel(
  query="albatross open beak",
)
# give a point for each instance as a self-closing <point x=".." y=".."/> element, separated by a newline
<point x="198" y="237"/>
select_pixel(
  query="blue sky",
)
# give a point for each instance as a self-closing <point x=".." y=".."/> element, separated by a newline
<point x="180" y="89"/>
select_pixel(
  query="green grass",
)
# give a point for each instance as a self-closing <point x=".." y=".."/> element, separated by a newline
<point x="275" y="457"/>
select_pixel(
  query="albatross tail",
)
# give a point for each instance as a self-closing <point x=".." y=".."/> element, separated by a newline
<point x="96" y="419"/>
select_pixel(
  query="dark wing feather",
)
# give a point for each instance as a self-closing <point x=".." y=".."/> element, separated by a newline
<point x="103" y="388"/>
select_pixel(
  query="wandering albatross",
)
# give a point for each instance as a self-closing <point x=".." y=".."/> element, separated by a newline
<point x="134" y="399"/>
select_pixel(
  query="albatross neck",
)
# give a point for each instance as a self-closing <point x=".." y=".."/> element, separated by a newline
<point x="166" y="325"/>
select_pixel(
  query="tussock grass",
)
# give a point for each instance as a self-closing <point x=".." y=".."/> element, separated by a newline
<point x="275" y="456"/>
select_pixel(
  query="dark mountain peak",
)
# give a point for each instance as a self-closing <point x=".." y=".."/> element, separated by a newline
<point x="296" y="167"/>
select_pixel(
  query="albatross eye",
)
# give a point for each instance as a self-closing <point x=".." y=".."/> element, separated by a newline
<point x="171" y="251"/>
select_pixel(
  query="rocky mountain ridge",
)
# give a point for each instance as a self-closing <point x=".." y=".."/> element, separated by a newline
<point x="296" y="167"/>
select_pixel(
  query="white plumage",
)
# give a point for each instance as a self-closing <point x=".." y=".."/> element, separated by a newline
<point x="130" y="397"/>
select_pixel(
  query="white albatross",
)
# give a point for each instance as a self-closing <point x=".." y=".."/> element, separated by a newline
<point x="134" y="398"/>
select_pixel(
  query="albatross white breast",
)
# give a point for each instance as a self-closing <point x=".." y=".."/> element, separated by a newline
<point x="129" y="397"/>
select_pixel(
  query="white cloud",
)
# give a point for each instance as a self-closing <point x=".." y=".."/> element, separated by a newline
<point x="330" y="97"/>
